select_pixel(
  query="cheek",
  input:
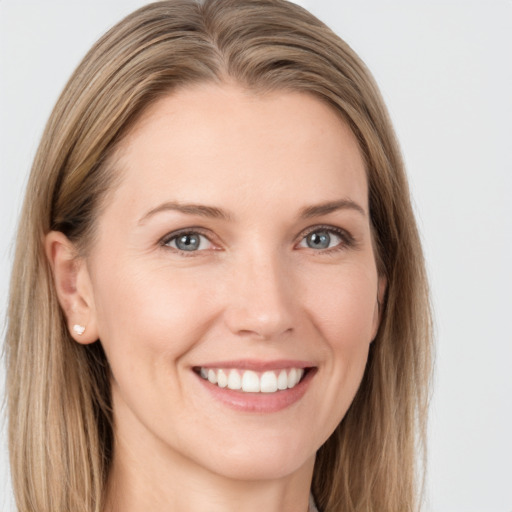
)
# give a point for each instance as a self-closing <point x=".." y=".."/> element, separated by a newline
<point x="343" y="311"/>
<point x="152" y="312"/>
<point x="342" y="304"/>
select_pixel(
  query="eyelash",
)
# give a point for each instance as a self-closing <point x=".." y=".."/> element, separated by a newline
<point x="167" y="239"/>
<point x="347" y="240"/>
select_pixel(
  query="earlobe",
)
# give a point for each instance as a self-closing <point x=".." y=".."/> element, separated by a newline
<point x="73" y="286"/>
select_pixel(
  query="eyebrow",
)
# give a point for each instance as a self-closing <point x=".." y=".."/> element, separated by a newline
<point x="330" y="207"/>
<point x="189" y="209"/>
<point x="213" y="212"/>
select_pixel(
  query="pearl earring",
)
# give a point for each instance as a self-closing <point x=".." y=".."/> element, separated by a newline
<point x="78" y="329"/>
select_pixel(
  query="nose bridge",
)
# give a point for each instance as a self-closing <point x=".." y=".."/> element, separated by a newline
<point x="262" y="300"/>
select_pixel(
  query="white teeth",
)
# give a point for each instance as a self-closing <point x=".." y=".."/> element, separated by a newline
<point x="292" y="378"/>
<point x="249" y="381"/>
<point x="222" y="379"/>
<point x="234" y="380"/>
<point x="268" y="382"/>
<point x="282" y="380"/>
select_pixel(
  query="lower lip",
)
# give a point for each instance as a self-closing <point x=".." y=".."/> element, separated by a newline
<point x="259" y="402"/>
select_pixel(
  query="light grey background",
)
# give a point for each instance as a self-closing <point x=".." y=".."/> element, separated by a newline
<point x="444" y="68"/>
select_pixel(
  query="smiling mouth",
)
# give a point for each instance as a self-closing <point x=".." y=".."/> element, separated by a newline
<point x="249" y="381"/>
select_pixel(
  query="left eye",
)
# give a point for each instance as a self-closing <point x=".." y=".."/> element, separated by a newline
<point x="321" y="239"/>
<point x="188" y="242"/>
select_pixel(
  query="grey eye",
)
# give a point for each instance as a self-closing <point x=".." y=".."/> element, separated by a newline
<point x="318" y="240"/>
<point x="321" y="239"/>
<point x="188" y="242"/>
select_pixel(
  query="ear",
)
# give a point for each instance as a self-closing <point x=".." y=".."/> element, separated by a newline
<point x="73" y="287"/>
<point x="381" y="293"/>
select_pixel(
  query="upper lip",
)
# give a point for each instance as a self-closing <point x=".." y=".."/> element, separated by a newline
<point x="258" y="365"/>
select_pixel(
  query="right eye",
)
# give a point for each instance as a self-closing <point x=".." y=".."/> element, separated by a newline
<point x="190" y="241"/>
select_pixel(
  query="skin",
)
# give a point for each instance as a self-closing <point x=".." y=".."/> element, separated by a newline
<point x="254" y="290"/>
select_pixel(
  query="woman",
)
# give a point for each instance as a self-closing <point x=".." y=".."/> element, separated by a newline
<point x="218" y="300"/>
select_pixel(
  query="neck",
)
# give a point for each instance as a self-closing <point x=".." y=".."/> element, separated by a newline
<point x="160" y="480"/>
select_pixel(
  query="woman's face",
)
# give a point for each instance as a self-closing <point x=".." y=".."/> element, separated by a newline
<point x="235" y="251"/>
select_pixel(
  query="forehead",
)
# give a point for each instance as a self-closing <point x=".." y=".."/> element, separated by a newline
<point x="208" y="142"/>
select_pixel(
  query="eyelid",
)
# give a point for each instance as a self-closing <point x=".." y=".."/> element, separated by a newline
<point x="169" y="237"/>
<point x="347" y="239"/>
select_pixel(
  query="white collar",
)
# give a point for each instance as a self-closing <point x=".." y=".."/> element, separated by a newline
<point x="312" y="504"/>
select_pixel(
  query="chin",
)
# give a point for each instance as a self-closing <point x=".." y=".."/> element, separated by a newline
<point x="266" y="461"/>
<point x="260" y="470"/>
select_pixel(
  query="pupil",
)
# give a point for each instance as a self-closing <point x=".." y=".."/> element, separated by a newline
<point x="319" y="240"/>
<point x="188" y="242"/>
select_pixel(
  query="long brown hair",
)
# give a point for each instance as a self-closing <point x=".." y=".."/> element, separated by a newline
<point x="60" y="430"/>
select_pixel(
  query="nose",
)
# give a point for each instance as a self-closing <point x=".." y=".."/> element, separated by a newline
<point x="262" y="302"/>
